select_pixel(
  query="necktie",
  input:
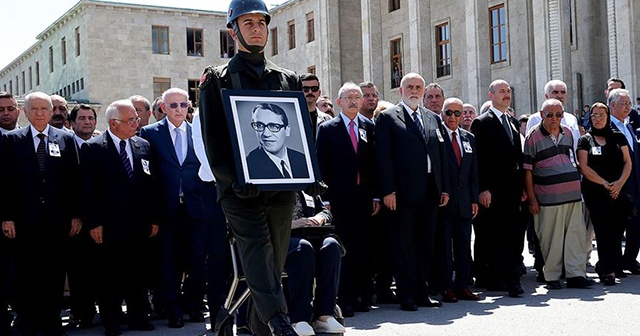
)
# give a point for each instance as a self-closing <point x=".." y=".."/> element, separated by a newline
<point x="416" y="119"/>
<point x="354" y="142"/>
<point x="285" y="172"/>
<point x="125" y="159"/>
<point x="352" y="135"/>
<point x="41" y="152"/>
<point x="456" y="147"/>
<point x="178" y="145"/>
<point x="507" y="129"/>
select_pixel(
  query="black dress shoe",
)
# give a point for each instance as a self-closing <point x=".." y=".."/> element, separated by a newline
<point x="429" y="302"/>
<point x="554" y="285"/>
<point x="408" y="305"/>
<point x="515" y="291"/>
<point x="112" y="331"/>
<point x="142" y="326"/>
<point x="280" y="325"/>
<point x="347" y="311"/>
<point x="196" y="317"/>
<point x="361" y="307"/>
<point x="175" y="323"/>
<point x="608" y="280"/>
<point x="634" y="268"/>
<point x="540" y="278"/>
<point x="579" y="282"/>
<point x="449" y="296"/>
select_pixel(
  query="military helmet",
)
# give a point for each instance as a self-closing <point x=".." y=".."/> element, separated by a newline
<point x="238" y="8"/>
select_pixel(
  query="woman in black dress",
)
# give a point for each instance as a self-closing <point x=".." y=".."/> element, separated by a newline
<point x="603" y="155"/>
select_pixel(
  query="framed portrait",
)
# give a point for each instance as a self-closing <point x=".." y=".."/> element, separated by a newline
<point x="274" y="147"/>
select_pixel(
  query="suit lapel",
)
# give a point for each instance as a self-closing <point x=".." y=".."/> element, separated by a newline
<point x="406" y="117"/>
<point x="163" y="128"/>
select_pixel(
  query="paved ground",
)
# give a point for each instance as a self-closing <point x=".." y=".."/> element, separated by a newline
<point x="596" y="311"/>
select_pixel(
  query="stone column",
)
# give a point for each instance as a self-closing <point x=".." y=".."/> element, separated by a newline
<point x="372" y="43"/>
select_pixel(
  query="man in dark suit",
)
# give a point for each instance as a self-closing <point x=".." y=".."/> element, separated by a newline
<point x="174" y="166"/>
<point x="272" y="159"/>
<point x="346" y="159"/>
<point x="120" y="215"/>
<point x="36" y="214"/>
<point x="412" y="165"/>
<point x="499" y="235"/>
<point x="454" y="250"/>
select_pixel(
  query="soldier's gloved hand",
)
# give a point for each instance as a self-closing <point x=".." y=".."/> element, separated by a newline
<point x="248" y="190"/>
<point x="316" y="189"/>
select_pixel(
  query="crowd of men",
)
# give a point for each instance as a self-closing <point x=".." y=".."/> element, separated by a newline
<point x="405" y="184"/>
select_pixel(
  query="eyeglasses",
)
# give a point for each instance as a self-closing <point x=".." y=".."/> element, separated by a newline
<point x="557" y="114"/>
<point x="598" y="115"/>
<point x="312" y="88"/>
<point x="132" y="121"/>
<point x="456" y="113"/>
<point x="274" y="128"/>
<point x="353" y="98"/>
<point x="175" y="105"/>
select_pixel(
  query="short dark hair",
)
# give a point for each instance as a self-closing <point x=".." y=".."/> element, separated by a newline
<point x="4" y="94"/>
<point x="273" y="108"/>
<point x="74" y="112"/>
<point x="617" y="80"/>
<point x="368" y="84"/>
<point x="309" y="77"/>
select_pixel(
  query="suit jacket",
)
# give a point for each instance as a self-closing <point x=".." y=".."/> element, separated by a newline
<point x="401" y="154"/>
<point x="35" y="200"/>
<point x="122" y="206"/>
<point x="463" y="178"/>
<point x="633" y="182"/>
<point x="262" y="167"/>
<point x="339" y="163"/>
<point x="499" y="161"/>
<point x="169" y="174"/>
<point x="215" y="131"/>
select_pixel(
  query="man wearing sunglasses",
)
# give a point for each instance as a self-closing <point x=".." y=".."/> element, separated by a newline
<point x="272" y="158"/>
<point x="311" y="89"/>
<point x="453" y="246"/>
<point x="553" y="190"/>
<point x="557" y="89"/>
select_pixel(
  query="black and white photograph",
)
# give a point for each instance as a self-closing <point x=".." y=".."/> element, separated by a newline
<point x="273" y="138"/>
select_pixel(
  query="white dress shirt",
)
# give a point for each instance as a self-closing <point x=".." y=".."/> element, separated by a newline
<point x="127" y="148"/>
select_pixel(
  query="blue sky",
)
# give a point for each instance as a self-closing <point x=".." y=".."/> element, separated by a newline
<point x="23" y="20"/>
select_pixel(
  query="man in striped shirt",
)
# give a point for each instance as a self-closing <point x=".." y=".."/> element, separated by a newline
<point x="553" y="189"/>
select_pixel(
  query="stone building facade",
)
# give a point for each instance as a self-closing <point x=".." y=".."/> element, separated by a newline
<point x="101" y="51"/>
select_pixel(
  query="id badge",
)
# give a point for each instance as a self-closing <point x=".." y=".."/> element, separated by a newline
<point x="467" y="147"/>
<point x="308" y="200"/>
<point x="363" y="134"/>
<point x="54" y="149"/>
<point x="440" y="138"/>
<point x="596" y="150"/>
<point x="145" y="166"/>
<point x="573" y="159"/>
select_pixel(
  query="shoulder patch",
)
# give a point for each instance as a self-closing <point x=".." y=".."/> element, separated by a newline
<point x="206" y="77"/>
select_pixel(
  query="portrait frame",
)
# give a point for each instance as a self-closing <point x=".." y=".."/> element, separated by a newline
<point x="253" y="151"/>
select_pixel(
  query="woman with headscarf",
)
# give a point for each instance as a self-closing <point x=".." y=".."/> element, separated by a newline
<point x="603" y="155"/>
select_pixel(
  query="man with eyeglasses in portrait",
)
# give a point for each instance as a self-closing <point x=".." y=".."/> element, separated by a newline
<point x="60" y="116"/>
<point x="311" y="90"/>
<point x="120" y="215"/>
<point x="272" y="158"/>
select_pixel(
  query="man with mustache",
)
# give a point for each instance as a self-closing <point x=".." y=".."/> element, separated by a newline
<point x="9" y="112"/>
<point x="468" y="115"/>
<point x="311" y="89"/>
<point x="60" y="113"/>
<point x="499" y="236"/>
<point x="348" y="139"/>
<point x="410" y="154"/>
